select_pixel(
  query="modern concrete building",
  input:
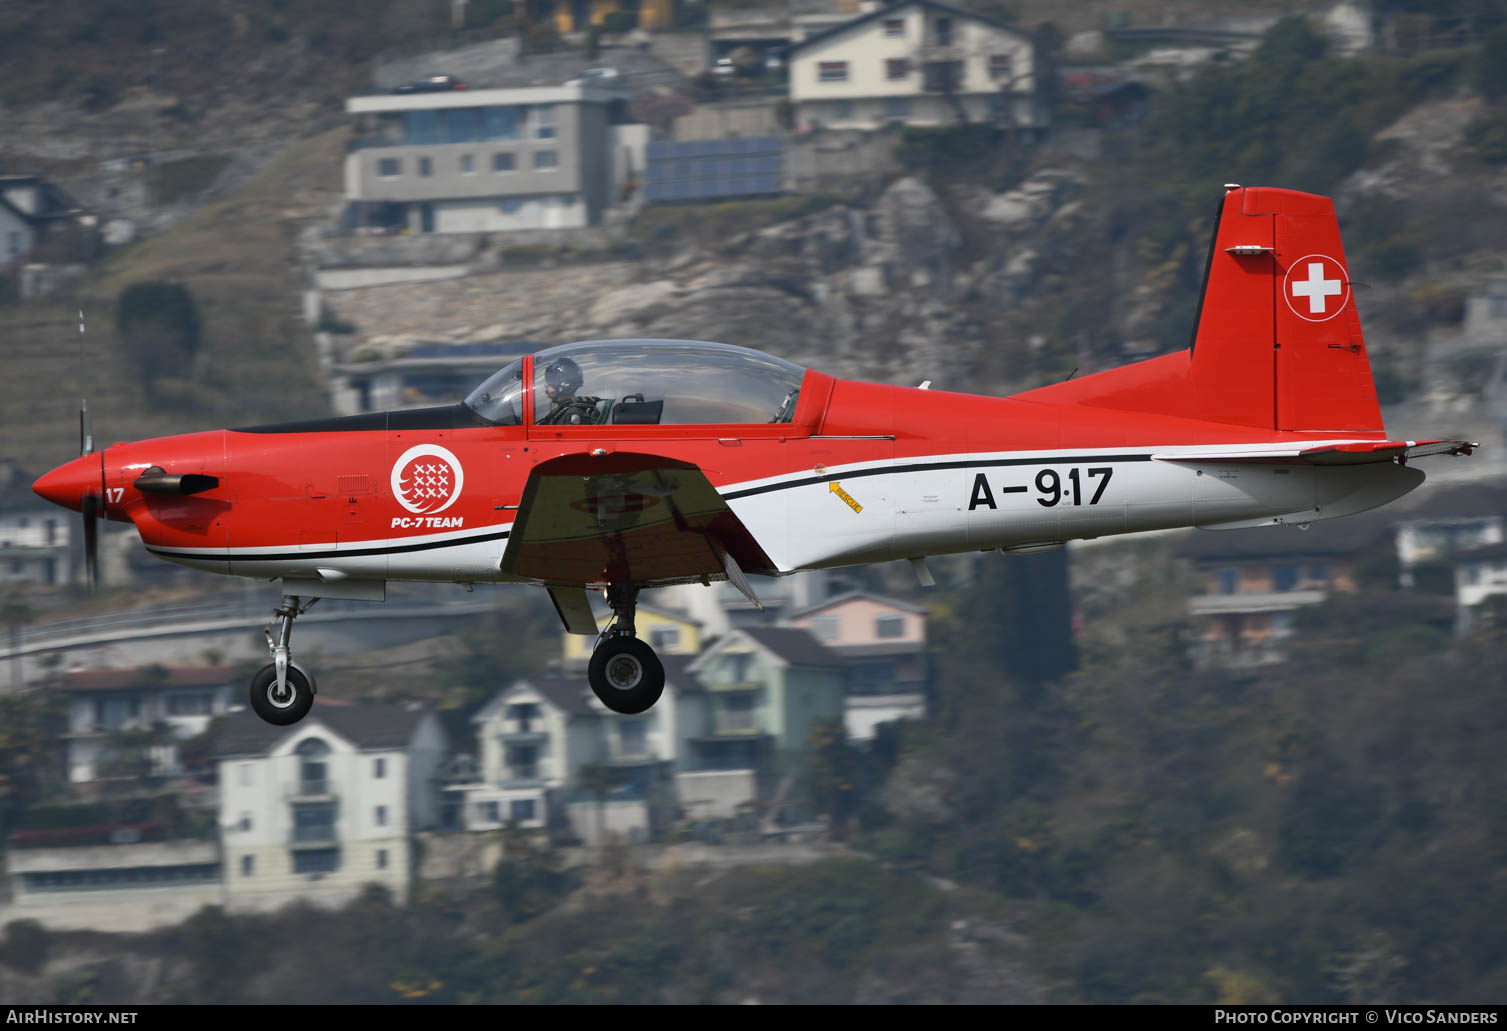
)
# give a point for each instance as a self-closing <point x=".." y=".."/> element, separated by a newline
<point x="917" y="62"/>
<point x="489" y="160"/>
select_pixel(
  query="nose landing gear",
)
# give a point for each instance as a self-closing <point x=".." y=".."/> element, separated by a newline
<point x="624" y="673"/>
<point x="282" y="691"/>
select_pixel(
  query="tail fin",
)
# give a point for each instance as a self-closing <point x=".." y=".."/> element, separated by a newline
<point x="1277" y="343"/>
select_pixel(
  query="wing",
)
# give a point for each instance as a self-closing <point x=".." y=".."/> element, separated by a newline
<point x="626" y="518"/>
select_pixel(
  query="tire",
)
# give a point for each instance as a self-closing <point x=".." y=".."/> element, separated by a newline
<point x="626" y="675"/>
<point x="285" y="712"/>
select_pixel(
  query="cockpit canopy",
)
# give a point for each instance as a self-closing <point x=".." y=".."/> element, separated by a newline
<point x="644" y="382"/>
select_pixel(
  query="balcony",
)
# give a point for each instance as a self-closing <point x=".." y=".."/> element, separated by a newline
<point x="316" y="836"/>
<point x="310" y="791"/>
<point x="1262" y="601"/>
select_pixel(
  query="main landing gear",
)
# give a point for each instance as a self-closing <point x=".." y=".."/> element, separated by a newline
<point x="283" y="691"/>
<point x="624" y="672"/>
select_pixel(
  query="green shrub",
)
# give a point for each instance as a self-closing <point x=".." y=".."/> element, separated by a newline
<point x="158" y="324"/>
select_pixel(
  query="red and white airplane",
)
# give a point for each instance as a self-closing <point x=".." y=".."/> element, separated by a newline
<point x="626" y="464"/>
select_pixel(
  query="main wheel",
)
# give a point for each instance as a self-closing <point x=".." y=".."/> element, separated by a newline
<point x="626" y="675"/>
<point x="287" y="707"/>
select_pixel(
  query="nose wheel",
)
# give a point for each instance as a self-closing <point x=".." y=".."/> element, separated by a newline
<point x="282" y="692"/>
<point x="624" y="673"/>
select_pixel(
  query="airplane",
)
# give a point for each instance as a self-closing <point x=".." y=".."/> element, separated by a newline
<point x="621" y="465"/>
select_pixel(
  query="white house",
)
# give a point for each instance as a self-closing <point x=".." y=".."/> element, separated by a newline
<point x="916" y="62"/>
<point x="1479" y="575"/>
<point x="320" y="809"/>
<point x="537" y="734"/>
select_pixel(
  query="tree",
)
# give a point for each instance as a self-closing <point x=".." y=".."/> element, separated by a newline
<point x="158" y="324"/>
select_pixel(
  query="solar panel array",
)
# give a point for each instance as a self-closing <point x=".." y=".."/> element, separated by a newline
<point x="747" y="166"/>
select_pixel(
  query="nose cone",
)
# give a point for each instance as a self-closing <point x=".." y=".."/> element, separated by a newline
<point x="67" y="484"/>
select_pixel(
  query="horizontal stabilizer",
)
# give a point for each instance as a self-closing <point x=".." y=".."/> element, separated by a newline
<point x="1363" y="452"/>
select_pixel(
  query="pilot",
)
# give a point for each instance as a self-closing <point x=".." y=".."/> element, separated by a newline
<point x="562" y="378"/>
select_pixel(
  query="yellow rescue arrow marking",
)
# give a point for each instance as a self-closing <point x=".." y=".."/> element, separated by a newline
<point x="846" y="497"/>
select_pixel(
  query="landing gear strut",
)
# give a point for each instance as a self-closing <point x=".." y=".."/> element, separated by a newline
<point x="624" y="673"/>
<point x="283" y="691"/>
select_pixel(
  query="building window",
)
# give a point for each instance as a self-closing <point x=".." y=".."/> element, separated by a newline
<point x="944" y="32"/>
<point x="890" y="626"/>
<point x="381" y="816"/>
<point x="824" y="628"/>
<point x="319" y="860"/>
<point x="504" y="162"/>
<point x="523" y="762"/>
<point x="545" y="159"/>
<point x="311" y="773"/>
<point x="665" y="638"/>
<point x="521" y="810"/>
<point x="832" y="71"/>
<point x="1227" y="581"/>
<point x="510" y="205"/>
<point x="842" y="109"/>
<point x="426" y="166"/>
<point x="489" y="812"/>
<point x="248" y="865"/>
<point x="544" y="122"/>
<point x="421" y="127"/>
<point x="1001" y="66"/>
<point x="1318" y="572"/>
<point x="461" y="125"/>
<point x="1285" y="577"/>
<point x="390" y="168"/>
<point x="379" y="768"/>
<point x="245" y="824"/>
<point x="897" y="68"/>
<point x="381" y="859"/>
<point x="634" y="737"/>
<point x="523" y="714"/>
<point x="15" y="244"/>
<point x="196" y="704"/>
<point x="942" y="76"/>
<point x="499" y="123"/>
<point x="314" y="823"/>
<point x="894" y="27"/>
<point x="467" y="164"/>
<point x="897" y="107"/>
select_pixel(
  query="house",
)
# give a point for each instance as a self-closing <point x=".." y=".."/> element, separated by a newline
<point x="581" y="15"/>
<point x="321" y="808"/>
<point x="537" y="737"/>
<point x="668" y="632"/>
<point x="763" y="688"/>
<point x="106" y="705"/>
<point x="35" y="541"/>
<point x="39" y="221"/>
<point x="1448" y="523"/>
<point x="120" y="875"/>
<point x="489" y="160"/>
<point x="883" y="642"/>
<point x="1480" y="586"/>
<point x="916" y="62"/>
<point x="1255" y="579"/>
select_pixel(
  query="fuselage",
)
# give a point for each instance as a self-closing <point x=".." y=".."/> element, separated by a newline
<point x="860" y="472"/>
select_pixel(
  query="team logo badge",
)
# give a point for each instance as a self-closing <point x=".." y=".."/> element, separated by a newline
<point x="427" y="479"/>
<point x="1316" y="288"/>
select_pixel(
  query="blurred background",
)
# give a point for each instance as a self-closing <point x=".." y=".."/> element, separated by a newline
<point x="1247" y="766"/>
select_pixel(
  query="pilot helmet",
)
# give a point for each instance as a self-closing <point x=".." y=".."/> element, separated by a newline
<point x="563" y="377"/>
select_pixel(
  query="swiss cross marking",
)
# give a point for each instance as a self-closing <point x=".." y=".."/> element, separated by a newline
<point x="1321" y="282"/>
<point x="1316" y="288"/>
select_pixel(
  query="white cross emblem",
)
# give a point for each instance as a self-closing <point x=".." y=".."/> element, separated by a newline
<point x="433" y="479"/>
<point x="1315" y="288"/>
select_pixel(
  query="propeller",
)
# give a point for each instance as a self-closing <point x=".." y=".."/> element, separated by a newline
<point x="92" y="503"/>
